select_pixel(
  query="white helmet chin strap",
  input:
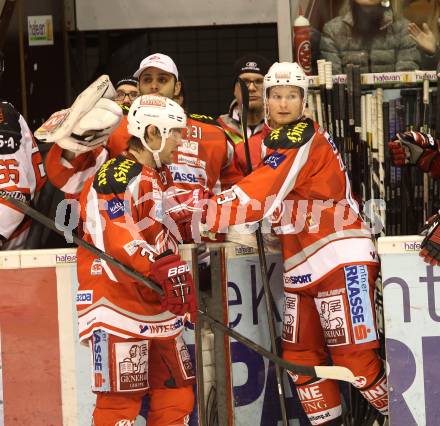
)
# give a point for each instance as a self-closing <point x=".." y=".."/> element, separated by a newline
<point x="156" y="152"/>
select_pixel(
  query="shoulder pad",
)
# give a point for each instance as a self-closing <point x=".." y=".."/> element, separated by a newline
<point x="207" y="119"/>
<point x="293" y="135"/>
<point x="10" y="129"/>
<point x="114" y="175"/>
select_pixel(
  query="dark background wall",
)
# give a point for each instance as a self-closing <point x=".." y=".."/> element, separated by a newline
<point x="55" y="74"/>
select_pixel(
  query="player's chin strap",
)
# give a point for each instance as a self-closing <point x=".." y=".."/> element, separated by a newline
<point x="156" y="152"/>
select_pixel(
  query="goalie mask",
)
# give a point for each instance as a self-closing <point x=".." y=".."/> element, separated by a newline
<point x="284" y="74"/>
<point x="158" y="111"/>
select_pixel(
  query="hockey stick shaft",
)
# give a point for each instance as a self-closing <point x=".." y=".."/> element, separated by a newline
<point x="331" y="372"/>
<point x="262" y="259"/>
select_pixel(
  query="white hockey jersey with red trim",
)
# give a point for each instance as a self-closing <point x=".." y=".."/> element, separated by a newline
<point x="303" y="189"/>
<point x="21" y="174"/>
<point x="121" y="209"/>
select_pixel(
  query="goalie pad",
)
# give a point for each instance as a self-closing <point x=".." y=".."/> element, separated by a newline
<point x="61" y="124"/>
<point x="94" y="128"/>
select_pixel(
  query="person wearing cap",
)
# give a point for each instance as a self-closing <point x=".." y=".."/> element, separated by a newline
<point x="204" y="159"/>
<point x="126" y="92"/>
<point x="158" y="74"/>
<point x="251" y="68"/>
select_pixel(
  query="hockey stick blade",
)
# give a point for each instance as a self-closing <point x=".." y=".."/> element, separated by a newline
<point x="331" y="372"/>
<point x="323" y="372"/>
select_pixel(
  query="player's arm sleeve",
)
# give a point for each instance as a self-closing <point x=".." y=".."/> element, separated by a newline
<point x="70" y="176"/>
<point x="260" y="193"/>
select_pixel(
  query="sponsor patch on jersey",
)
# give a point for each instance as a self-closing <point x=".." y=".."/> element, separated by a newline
<point x="297" y="279"/>
<point x="274" y="160"/>
<point x="115" y="208"/>
<point x="291" y="317"/>
<point x="84" y="297"/>
<point x="100" y="362"/>
<point x="182" y="173"/>
<point x="96" y="268"/>
<point x="191" y="161"/>
<point x="184" y="359"/>
<point x="361" y="311"/>
<point x="189" y="147"/>
<point x="333" y="317"/>
<point x="294" y="135"/>
<point x="131" y="359"/>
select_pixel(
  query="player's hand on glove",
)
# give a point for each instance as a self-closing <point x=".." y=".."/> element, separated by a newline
<point x="94" y="128"/>
<point x="415" y="148"/>
<point x="174" y="277"/>
<point x="430" y="247"/>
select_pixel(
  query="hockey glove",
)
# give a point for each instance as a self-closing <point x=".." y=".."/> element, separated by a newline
<point x="415" y="148"/>
<point x="176" y="281"/>
<point x="183" y="207"/>
<point x="87" y="123"/>
<point x="430" y="247"/>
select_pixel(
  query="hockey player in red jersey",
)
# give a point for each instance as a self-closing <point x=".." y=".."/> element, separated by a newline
<point x="22" y="173"/>
<point x="135" y="334"/>
<point x="204" y="159"/>
<point x="330" y="262"/>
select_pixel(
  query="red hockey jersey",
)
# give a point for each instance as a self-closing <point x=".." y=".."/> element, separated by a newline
<point x="121" y="209"/>
<point x="21" y="174"/>
<point x="302" y="188"/>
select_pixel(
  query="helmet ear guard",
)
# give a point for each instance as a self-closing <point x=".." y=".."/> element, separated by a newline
<point x="284" y="74"/>
<point x="158" y="111"/>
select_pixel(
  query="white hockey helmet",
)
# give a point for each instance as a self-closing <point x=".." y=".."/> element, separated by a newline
<point x="158" y="111"/>
<point x="284" y="74"/>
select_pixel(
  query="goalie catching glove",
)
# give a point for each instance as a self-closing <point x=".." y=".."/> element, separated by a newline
<point x="173" y="275"/>
<point x="415" y="148"/>
<point x="430" y="247"/>
<point x="88" y="123"/>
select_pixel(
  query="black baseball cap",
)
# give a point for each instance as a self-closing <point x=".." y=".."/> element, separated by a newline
<point x="252" y="63"/>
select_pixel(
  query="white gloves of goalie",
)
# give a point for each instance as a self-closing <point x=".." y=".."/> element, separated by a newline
<point x="88" y="123"/>
<point x="94" y="128"/>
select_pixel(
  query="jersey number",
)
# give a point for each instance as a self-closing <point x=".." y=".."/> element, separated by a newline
<point x="9" y="171"/>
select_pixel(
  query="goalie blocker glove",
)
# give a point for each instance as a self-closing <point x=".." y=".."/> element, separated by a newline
<point x="174" y="276"/>
<point x="94" y="128"/>
<point x="430" y="247"/>
<point x="415" y="148"/>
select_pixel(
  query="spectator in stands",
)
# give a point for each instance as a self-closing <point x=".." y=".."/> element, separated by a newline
<point x="127" y="90"/>
<point x="251" y="68"/>
<point x="424" y="29"/>
<point x="371" y="35"/>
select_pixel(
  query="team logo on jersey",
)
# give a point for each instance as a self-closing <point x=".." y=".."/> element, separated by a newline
<point x="96" y="268"/>
<point x="361" y="312"/>
<point x="115" y="208"/>
<point x="274" y="160"/>
<point x="333" y="319"/>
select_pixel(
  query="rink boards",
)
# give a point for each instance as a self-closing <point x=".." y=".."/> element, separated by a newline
<point x="45" y="374"/>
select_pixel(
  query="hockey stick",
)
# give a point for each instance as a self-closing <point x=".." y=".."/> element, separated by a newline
<point x="263" y="265"/>
<point x="324" y="372"/>
<point x="426" y="129"/>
